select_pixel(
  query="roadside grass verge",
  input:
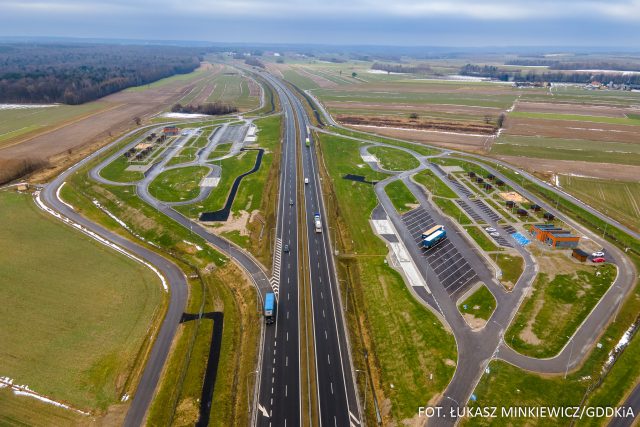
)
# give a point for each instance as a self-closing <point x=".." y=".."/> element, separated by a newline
<point x="434" y="184"/>
<point x="417" y="147"/>
<point x="393" y="159"/>
<point x="401" y="197"/>
<point x="481" y="238"/>
<point x="555" y="309"/>
<point x="480" y="304"/>
<point x="73" y="298"/>
<point x="450" y="209"/>
<point x="405" y="342"/>
<point x="577" y="117"/>
<point x="179" y="184"/>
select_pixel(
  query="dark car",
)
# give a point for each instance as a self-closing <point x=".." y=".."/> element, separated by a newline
<point x="285" y="249"/>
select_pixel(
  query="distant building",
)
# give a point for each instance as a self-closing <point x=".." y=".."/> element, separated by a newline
<point x="171" y="131"/>
<point x="554" y="236"/>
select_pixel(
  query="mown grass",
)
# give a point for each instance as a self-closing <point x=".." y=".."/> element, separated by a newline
<point x="511" y="267"/>
<point x="393" y="159"/>
<point x="179" y="184"/>
<point x="418" y="148"/>
<point x="27" y="411"/>
<point x="556" y="307"/>
<point x="401" y="197"/>
<point x="481" y="239"/>
<point x="405" y="341"/>
<point x="480" y="304"/>
<point x="434" y="184"/>
<point x="73" y="298"/>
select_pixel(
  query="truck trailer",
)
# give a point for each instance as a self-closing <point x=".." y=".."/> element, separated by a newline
<point x="432" y="237"/>
<point x="270" y="308"/>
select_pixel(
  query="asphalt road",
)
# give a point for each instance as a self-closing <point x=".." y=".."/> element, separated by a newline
<point x="336" y="392"/>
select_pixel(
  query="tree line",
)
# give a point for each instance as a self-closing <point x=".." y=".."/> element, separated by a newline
<point x="496" y="73"/>
<point x="563" y="65"/>
<point x="399" y="68"/>
<point x="78" y="73"/>
<point x="210" y="108"/>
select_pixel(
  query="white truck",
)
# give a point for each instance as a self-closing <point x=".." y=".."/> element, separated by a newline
<point x="318" y="223"/>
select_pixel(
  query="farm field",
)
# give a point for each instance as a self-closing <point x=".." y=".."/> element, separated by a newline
<point x="618" y="199"/>
<point x="93" y="315"/>
<point x="17" y="124"/>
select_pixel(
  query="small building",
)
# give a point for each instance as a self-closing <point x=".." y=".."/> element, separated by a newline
<point x="479" y="180"/>
<point x="490" y="176"/>
<point x="539" y="231"/>
<point x="523" y="212"/>
<point x="579" y="254"/>
<point x="562" y="239"/>
<point x="535" y="208"/>
<point x="171" y="131"/>
<point x="549" y="216"/>
<point x="472" y="174"/>
<point x="499" y="182"/>
<point x="488" y="186"/>
<point x="510" y="204"/>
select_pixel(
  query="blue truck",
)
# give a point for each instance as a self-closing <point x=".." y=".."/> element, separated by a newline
<point x="433" y="236"/>
<point x="270" y="308"/>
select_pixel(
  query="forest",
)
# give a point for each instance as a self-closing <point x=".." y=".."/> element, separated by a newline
<point x="78" y="73"/>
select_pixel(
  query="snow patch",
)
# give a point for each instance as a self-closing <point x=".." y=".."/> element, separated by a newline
<point x="26" y="106"/>
<point x="183" y="115"/>
<point x="24" y="390"/>
<point x="198" y="247"/>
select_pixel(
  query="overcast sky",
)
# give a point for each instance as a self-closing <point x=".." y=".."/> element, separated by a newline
<point x="613" y="23"/>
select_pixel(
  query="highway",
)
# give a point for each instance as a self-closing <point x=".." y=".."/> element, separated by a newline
<point x="336" y="392"/>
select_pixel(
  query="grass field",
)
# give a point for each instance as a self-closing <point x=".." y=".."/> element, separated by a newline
<point x="425" y="151"/>
<point x="555" y="309"/>
<point x="618" y="199"/>
<point x="179" y="184"/>
<point x="511" y="267"/>
<point x="93" y="314"/>
<point x="405" y="341"/>
<point x="578" y="117"/>
<point x="232" y="88"/>
<point x="403" y="200"/>
<point x="434" y="184"/>
<point x="393" y="159"/>
<point x="18" y="124"/>
<point x="480" y="304"/>
<point x="449" y="208"/>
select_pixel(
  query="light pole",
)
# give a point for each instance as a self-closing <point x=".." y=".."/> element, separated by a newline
<point x="366" y="386"/>
<point x="569" y="361"/>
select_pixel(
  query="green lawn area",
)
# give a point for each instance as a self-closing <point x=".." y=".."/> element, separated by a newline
<point x="393" y="159"/>
<point x="220" y="150"/>
<point x="619" y="199"/>
<point x="511" y="267"/>
<point x="482" y="239"/>
<point x="20" y="123"/>
<point x="418" y="148"/>
<point x="452" y="210"/>
<point x="434" y="184"/>
<point x="577" y="117"/>
<point x="403" y="200"/>
<point x="76" y="314"/>
<point x="556" y="308"/>
<point x="407" y="342"/>
<point x="179" y="184"/>
<point x="187" y="154"/>
<point x="480" y="304"/>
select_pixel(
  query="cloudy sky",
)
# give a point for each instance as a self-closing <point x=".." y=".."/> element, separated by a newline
<point x="388" y="22"/>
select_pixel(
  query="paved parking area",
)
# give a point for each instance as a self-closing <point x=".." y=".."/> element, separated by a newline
<point x="487" y="210"/>
<point x="453" y="271"/>
<point x="509" y="229"/>
<point x="469" y="210"/>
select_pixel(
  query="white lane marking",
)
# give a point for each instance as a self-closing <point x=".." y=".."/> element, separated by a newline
<point x="263" y="410"/>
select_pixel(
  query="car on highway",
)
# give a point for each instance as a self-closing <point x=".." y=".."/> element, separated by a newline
<point x="306" y="180"/>
<point x="290" y="202"/>
<point x="598" y="259"/>
<point x="597" y="254"/>
<point x="285" y="249"/>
